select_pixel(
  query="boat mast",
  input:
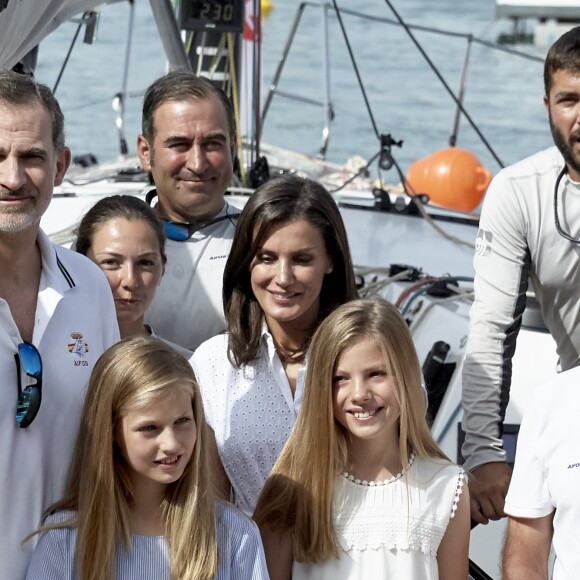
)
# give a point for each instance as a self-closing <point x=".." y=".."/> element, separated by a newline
<point x="170" y="36"/>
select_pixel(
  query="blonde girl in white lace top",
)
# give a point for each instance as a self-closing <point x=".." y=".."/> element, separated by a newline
<point x="361" y="489"/>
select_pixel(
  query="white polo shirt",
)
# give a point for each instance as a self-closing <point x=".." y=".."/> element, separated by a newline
<point x="251" y="410"/>
<point x="546" y="474"/>
<point x="75" y="322"/>
<point x="187" y="308"/>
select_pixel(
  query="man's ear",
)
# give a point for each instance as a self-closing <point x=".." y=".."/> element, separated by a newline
<point x="234" y="145"/>
<point x="63" y="158"/>
<point x="144" y="152"/>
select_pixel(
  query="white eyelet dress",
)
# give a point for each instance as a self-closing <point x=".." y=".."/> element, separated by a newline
<point x="390" y="529"/>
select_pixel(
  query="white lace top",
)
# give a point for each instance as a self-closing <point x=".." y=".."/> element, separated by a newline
<point x="391" y="530"/>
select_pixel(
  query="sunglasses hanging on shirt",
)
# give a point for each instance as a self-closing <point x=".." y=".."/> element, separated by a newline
<point x="29" y="398"/>
<point x="182" y="231"/>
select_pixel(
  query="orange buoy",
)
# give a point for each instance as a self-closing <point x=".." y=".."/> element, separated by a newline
<point x="452" y="178"/>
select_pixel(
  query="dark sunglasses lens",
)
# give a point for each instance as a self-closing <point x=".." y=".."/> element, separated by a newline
<point x="28" y="405"/>
<point x="30" y="360"/>
<point x="175" y="232"/>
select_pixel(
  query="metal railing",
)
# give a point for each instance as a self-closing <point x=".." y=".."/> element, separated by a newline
<point x="326" y="102"/>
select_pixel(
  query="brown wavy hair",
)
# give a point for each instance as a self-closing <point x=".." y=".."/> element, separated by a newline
<point x="282" y="199"/>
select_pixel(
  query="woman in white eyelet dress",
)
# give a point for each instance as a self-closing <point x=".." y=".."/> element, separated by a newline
<point x="288" y="268"/>
<point x="361" y="489"/>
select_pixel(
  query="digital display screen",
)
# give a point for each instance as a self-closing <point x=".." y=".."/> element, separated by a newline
<point x="212" y="15"/>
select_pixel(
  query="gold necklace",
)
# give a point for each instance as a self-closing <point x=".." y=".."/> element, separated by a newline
<point x="290" y="355"/>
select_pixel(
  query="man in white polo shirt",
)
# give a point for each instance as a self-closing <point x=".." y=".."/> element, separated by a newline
<point x="188" y="144"/>
<point x="543" y="503"/>
<point x="56" y="318"/>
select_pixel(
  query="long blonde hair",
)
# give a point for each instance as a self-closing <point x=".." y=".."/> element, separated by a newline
<point x="136" y="372"/>
<point x="298" y="494"/>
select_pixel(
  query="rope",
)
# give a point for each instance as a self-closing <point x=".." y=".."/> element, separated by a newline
<point x="358" y="173"/>
<point x="450" y="282"/>
<point x="421" y="208"/>
<point x="374" y="288"/>
<point x="462" y="296"/>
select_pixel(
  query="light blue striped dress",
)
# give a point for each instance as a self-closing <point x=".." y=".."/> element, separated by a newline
<point x="240" y="551"/>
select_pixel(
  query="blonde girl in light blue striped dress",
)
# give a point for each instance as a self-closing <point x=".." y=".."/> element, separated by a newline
<point x="139" y="502"/>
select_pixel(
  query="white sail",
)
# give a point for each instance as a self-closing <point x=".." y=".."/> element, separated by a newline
<point x="24" y="23"/>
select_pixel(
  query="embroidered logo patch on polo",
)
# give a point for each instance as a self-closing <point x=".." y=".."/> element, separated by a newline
<point x="78" y="347"/>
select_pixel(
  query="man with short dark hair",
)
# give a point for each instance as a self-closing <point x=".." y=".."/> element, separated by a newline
<point x="529" y="232"/>
<point x="188" y="144"/>
<point x="56" y="318"/>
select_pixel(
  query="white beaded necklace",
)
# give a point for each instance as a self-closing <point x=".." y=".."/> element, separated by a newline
<point x="366" y="483"/>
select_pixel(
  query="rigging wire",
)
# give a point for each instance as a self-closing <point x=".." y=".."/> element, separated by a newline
<point x="67" y="57"/>
<point x="356" y="174"/>
<point x="417" y="199"/>
<point x="386" y="151"/>
<point x="444" y="83"/>
<point x="356" y="71"/>
<point x="90" y="104"/>
<point x="450" y="33"/>
<point x="429" y="62"/>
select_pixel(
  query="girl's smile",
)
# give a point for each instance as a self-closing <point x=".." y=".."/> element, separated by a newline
<point x="364" y="397"/>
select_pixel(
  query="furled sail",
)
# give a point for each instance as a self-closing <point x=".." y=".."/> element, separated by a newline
<point x="24" y="23"/>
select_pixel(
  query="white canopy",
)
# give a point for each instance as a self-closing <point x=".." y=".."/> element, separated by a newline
<point x="24" y="23"/>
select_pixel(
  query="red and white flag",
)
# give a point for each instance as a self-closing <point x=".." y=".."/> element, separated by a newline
<point x="250" y="69"/>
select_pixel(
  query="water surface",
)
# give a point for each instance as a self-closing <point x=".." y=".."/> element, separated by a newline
<point x="504" y="93"/>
